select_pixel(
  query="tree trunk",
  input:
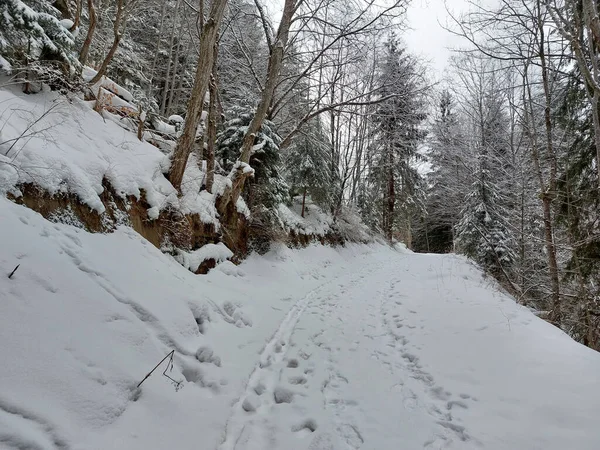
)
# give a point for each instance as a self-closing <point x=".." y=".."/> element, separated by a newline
<point x="175" y="81"/>
<point x="140" y="128"/>
<point x="156" y="51"/>
<point x="85" y="49"/>
<point x="211" y="135"/>
<point x="185" y="145"/>
<point x="391" y="199"/>
<point x="273" y="71"/>
<point x="303" y="201"/>
<point x="274" y="68"/>
<point x="118" y="29"/>
<point x="546" y="203"/>
<point x="163" y="106"/>
<point x="77" y="18"/>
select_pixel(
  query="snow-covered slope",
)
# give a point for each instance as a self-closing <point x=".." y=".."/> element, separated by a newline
<point x="63" y="146"/>
<point x="360" y="347"/>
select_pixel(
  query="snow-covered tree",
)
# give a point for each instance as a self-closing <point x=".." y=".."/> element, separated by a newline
<point x="308" y="164"/>
<point x="397" y="134"/>
<point x="33" y="37"/>
<point x="483" y="231"/>
<point x="268" y="188"/>
<point x="447" y="180"/>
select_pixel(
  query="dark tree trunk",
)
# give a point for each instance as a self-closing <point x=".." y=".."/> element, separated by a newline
<point x="303" y="202"/>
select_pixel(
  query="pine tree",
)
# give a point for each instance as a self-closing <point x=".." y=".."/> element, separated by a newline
<point x="268" y="188"/>
<point x="397" y="135"/>
<point x="307" y="165"/>
<point x="33" y="37"/>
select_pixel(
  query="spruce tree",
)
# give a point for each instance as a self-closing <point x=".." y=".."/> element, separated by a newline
<point x="32" y="35"/>
<point x="307" y="165"/>
<point x="397" y="134"/>
<point x="268" y="188"/>
<point x="483" y="231"/>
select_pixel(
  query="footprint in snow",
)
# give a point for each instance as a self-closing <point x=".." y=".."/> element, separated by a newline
<point x="307" y="424"/>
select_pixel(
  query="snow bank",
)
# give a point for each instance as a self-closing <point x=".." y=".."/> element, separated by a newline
<point x="315" y="221"/>
<point x="192" y="260"/>
<point x="5" y="66"/>
<point x="66" y="147"/>
<point x="88" y="74"/>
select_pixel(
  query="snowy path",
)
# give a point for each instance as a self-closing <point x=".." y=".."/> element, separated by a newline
<point x="351" y="367"/>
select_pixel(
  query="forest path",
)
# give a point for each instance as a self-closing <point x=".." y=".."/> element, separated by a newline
<point x="343" y="371"/>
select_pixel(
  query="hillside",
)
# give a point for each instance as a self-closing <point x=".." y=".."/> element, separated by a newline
<point x="357" y="347"/>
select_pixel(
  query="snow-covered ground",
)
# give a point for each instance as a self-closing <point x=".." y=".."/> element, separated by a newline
<point x="363" y="347"/>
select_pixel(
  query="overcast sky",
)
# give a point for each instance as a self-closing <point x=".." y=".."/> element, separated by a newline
<point x="427" y="36"/>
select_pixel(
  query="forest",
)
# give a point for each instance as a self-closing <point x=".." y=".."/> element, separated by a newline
<point x="319" y="102"/>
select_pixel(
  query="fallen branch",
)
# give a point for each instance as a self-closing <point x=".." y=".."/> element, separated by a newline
<point x="169" y="367"/>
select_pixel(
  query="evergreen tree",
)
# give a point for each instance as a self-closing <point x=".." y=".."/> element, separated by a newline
<point x="397" y="134"/>
<point x="308" y="164"/>
<point x="579" y="211"/>
<point x="447" y="180"/>
<point x="483" y="231"/>
<point x="32" y="36"/>
<point x="267" y="189"/>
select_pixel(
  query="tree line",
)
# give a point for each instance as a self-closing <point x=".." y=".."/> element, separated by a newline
<point x="321" y="100"/>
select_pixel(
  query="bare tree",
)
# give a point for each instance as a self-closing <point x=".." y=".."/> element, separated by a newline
<point x="124" y="9"/>
<point x="579" y="24"/>
<point x="85" y="49"/>
<point x="185" y="144"/>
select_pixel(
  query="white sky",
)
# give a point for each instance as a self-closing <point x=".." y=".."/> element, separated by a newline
<point x="427" y="36"/>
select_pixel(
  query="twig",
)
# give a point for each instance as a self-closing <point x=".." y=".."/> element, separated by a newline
<point x="169" y="367"/>
<point x="13" y="272"/>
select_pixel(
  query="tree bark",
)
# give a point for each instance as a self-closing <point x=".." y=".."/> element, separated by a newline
<point x="211" y="136"/>
<point x="77" y="18"/>
<point x="119" y="24"/>
<point x="546" y="203"/>
<point x="156" y="51"/>
<point x="85" y="49"/>
<point x="208" y="38"/>
<point x="391" y="199"/>
<point x="303" y="201"/>
<point x="273" y="71"/>
<point x="163" y="106"/>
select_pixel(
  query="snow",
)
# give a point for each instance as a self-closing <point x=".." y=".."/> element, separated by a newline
<point x="163" y="127"/>
<point x="321" y="348"/>
<point x="112" y="102"/>
<point x="192" y="260"/>
<point x="67" y="23"/>
<point x="88" y="74"/>
<point x="175" y="118"/>
<point x="5" y="66"/>
<point x="315" y="221"/>
<point x="88" y="151"/>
